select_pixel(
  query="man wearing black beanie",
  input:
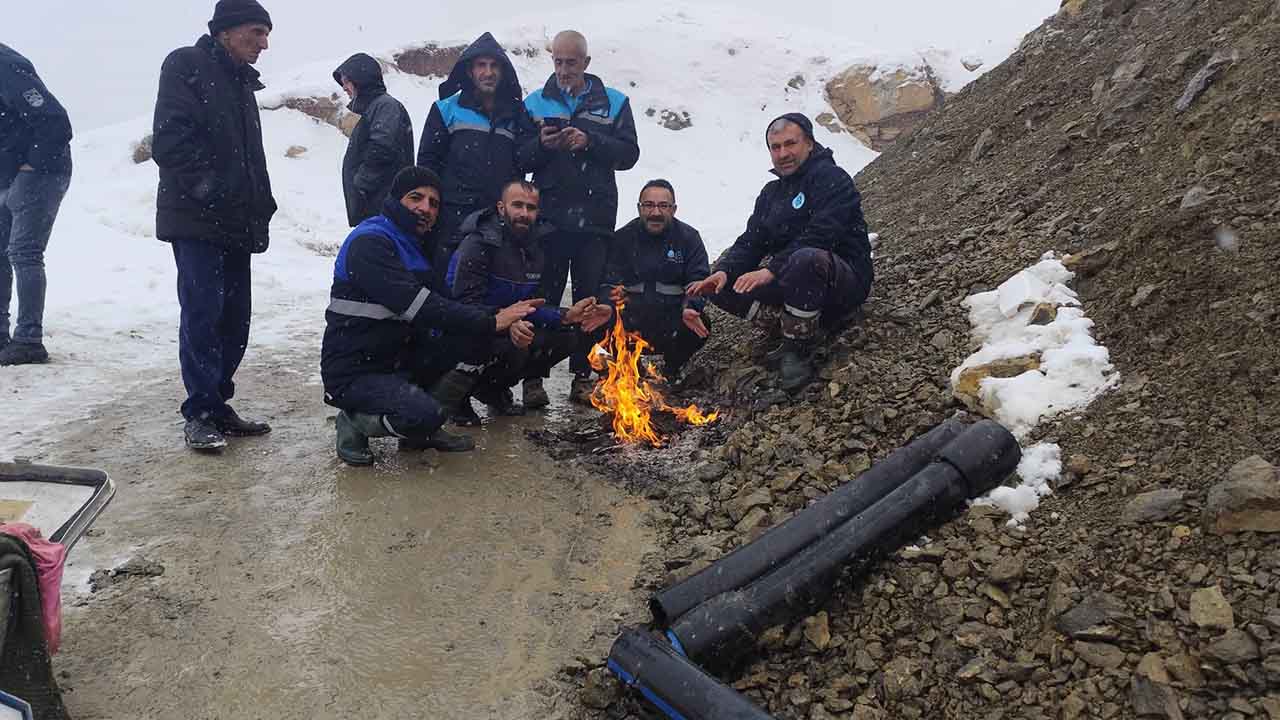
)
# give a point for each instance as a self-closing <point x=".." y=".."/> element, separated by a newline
<point x="213" y="206"/>
<point x="808" y="223"/>
<point x="383" y="342"/>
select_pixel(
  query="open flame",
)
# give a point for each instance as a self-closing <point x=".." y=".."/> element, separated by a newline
<point x="625" y="391"/>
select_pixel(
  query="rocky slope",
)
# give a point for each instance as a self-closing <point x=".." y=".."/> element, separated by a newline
<point x="1141" y="136"/>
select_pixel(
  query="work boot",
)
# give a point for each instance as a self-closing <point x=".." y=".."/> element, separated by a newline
<point x="354" y="430"/>
<point x="533" y="395"/>
<point x="581" y="389"/>
<point x="441" y="440"/>
<point x="201" y="435"/>
<point x="501" y="401"/>
<point x="453" y="392"/>
<point x="795" y="365"/>
<point x="23" y="353"/>
<point x="232" y="425"/>
<point x="465" y="415"/>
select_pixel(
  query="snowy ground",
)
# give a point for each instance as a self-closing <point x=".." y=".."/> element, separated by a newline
<point x="112" y="313"/>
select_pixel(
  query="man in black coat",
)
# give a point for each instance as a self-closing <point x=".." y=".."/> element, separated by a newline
<point x="35" y="171"/>
<point x="809" y="225"/>
<point x="652" y="260"/>
<point x="587" y="134"/>
<point x="383" y="342"/>
<point x="381" y="144"/>
<point x="213" y="206"/>
<point x="472" y="133"/>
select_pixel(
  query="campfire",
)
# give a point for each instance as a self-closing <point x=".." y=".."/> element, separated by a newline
<point x="627" y="391"/>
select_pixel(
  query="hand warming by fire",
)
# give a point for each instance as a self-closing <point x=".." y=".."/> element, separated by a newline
<point x="625" y="390"/>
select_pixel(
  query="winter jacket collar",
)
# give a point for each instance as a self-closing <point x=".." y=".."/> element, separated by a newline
<point x="493" y="231"/>
<point x="596" y="99"/>
<point x="243" y="72"/>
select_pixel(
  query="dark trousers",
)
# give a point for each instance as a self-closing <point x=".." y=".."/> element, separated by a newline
<point x="584" y="255"/>
<point x="812" y="280"/>
<point x="214" y="292"/>
<point x="499" y="363"/>
<point x="406" y="407"/>
<point x="663" y="327"/>
<point x="28" y="207"/>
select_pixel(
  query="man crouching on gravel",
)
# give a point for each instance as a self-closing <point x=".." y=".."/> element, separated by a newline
<point x="382" y="340"/>
<point x="809" y="224"/>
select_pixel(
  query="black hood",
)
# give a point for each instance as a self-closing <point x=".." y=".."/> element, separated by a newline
<point x="366" y="73"/>
<point x="460" y="79"/>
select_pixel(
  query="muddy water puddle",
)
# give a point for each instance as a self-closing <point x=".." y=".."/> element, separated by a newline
<point x="429" y="586"/>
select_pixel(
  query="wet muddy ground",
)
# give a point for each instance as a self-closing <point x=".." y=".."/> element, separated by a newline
<point x="295" y="587"/>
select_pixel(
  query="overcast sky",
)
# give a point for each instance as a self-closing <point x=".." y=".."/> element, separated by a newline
<point x="110" y="52"/>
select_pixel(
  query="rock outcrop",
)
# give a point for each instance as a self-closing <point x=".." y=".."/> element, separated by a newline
<point x="878" y="107"/>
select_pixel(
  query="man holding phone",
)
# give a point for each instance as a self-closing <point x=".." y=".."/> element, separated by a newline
<point x="587" y="133"/>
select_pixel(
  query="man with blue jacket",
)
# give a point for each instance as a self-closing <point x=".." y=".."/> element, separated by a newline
<point x="472" y="134"/>
<point x="808" y="224"/>
<point x="35" y="171"/>
<point x="382" y="341"/>
<point x="501" y="260"/>
<point x="587" y="133"/>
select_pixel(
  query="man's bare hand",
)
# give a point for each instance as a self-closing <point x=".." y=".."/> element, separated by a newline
<point x="517" y="311"/>
<point x="521" y="333"/>
<point x="576" y="139"/>
<point x="553" y="139"/>
<point x="596" y="317"/>
<point x="710" y="286"/>
<point x="575" y="314"/>
<point x="618" y="294"/>
<point x="752" y="280"/>
<point x="693" y="320"/>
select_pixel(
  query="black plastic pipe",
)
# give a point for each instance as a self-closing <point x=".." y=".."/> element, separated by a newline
<point x="716" y="632"/>
<point x="672" y="684"/>
<point x="783" y="541"/>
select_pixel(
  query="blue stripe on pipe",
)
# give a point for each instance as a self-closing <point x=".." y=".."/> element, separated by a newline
<point x="675" y="643"/>
<point x="631" y="681"/>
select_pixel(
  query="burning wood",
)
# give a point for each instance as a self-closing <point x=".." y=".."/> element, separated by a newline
<point x="626" y="389"/>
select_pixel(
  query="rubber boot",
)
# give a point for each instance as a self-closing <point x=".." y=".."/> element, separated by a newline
<point x="354" y="430"/>
<point x="795" y="363"/>
<point x="501" y="400"/>
<point x="441" y="440"/>
<point x="453" y="392"/>
<point x="534" y="395"/>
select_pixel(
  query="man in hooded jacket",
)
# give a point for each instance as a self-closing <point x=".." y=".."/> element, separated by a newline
<point x="213" y="205"/>
<point x="381" y="144"/>
<point x="809" y="225"/>
<point x="472" y="133"/>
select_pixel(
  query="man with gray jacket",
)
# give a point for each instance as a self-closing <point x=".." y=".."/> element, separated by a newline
<point x="381" y="144"/>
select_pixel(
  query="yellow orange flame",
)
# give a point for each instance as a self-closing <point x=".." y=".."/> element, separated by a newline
<point x="625" y="391"/>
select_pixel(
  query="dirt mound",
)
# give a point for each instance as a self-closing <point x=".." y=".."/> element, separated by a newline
<point x="1142" y="135"/>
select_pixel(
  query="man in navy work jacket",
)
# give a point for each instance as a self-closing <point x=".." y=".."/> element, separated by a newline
<point x="500" y="261"/>
<point x="809" y="224"/>
<point x="382" y="339"/>
<point x="653" y="259"/>
<point x="587" y="134"/>
<point x="35" y="171"/>
<point x="381" y="144"/>
<point x="213" y="205"/>
<point x="472" y="133"/>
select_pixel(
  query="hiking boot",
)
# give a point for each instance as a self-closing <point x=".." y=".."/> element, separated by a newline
<point x="534" y="395"/>
<point x="795" y="365"/>
<point x="501" y="401"/>
<point x="581" y="389"/>
<point x="201" y="435"/>
<point x="232" y="425"/>
<point x="353" y="431"/>
<point x="23" y="353"/>
<point x="441" y="440"/>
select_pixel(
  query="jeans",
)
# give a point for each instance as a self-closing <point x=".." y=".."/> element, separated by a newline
<point x="585" y="255"/>
<point x="214" y="292"/>
<point x="28" y="207"/>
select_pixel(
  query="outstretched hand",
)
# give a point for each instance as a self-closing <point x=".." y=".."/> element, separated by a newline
<point x="693" y="320"/>
<point x="712" y="285"/>
<point x="516" y="311"/>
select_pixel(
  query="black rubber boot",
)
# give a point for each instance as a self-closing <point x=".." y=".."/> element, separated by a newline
<point x="202" y="435"/>
<point x="23" y="353"/>
<point x="354" y="431"/>
<point x="441" y="440"/>
<point x="501" y="401"/>
<point x="795" y="365"/>
<point x="453" y="392"/>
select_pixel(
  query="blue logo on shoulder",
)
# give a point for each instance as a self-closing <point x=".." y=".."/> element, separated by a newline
<point x="797" y="202"/>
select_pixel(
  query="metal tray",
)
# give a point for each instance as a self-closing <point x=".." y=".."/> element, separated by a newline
<point x="61" y="501"/>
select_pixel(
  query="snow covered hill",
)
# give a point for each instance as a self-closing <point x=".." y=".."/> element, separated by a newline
<point x="112" y="313"/>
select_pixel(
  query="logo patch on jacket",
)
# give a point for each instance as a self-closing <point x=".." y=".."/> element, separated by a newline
<point x="675" y="256"/>
<point x="33" y="98"/>
<point x="797" y="202"/>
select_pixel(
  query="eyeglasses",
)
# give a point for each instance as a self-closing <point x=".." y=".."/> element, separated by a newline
<point x="663" y="206"/>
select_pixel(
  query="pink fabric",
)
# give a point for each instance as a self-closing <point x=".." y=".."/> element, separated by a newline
<point x="49" y="557"/>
